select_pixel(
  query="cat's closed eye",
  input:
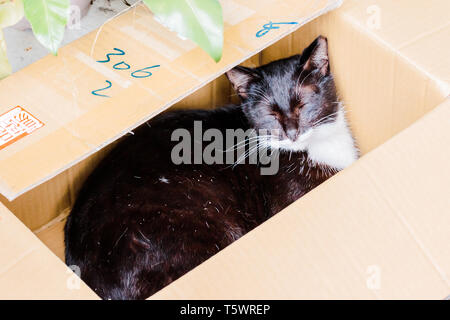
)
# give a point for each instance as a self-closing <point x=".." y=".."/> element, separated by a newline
<point x="276" y="112"/>
<point x="142" y="219"/>
<point x="276" y="115"/>
<point x="298" y="107"/>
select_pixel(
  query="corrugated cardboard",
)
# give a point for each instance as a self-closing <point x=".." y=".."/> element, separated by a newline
<point x="382" y="230"/>
<point x="28" y="270"/>
<point x="78" y="123"/>
<point x="415" y="31"/>
<point x="336" y="240"/>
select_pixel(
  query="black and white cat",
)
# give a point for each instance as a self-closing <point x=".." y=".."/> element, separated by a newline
<point x="141" y="221"/>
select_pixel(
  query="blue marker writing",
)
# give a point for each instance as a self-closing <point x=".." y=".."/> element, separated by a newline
<point x="102" y="95"/>
<point x="108" y="59"/>
<point x="145" y="73"/>
<point x="126" y="66"/>
<point x="271" y="26"/>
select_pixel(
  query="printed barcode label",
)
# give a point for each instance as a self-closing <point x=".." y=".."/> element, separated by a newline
<point x="16" y="124"/>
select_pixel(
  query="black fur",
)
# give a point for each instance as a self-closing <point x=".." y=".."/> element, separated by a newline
<point x="140" y="221"/>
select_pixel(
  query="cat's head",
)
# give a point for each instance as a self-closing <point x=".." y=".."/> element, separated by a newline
<point x="291" y="97"/>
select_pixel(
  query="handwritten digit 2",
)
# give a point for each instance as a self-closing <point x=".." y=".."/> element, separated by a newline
<point x="102" y="95"/>
<point x="141" y="73"/>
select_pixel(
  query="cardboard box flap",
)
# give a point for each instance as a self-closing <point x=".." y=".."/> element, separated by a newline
<point x="379" y="229"/>
<point x="416" y="32"/>
<point x="28" y="270"/>
<point x="107" y="83"/>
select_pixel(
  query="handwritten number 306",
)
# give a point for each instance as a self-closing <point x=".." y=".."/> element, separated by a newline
<point x="141" y="73"/>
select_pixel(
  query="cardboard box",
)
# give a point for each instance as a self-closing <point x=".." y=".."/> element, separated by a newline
<point x="378" y="229"/>
<point x="29" y="270"/>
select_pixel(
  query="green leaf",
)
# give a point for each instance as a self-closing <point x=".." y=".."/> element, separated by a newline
<point x="11" y="11"/>
<point x="48" y="18"/>
<point x="199" y="20"/>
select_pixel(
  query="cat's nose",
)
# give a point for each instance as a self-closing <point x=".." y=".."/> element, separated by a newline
<point x="292" y="134"/>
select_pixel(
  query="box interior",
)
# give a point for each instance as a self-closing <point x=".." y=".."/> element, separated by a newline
<point x="383" y="94"/>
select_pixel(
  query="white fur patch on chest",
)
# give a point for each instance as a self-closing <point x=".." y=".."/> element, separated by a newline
<point x="332" y="144"/>
<point x="329" y="144"/>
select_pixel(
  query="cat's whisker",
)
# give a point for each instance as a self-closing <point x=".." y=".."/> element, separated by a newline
<point x="173" y="202"/>
<point x="296" y="83"/>
<point x="260" y="94"/>
<point x="289" y="170"/>
<point x="330" y="116"/>
<point x="239" y="160"/>
<point x="243" y="143"/>
<point x="323" y="119"/>
<point x="247" y="154"/>
<point x="306" y="77"/>
<point x="261" y="146"/>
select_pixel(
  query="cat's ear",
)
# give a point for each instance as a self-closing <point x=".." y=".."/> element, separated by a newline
<point x="315" y="57"/>
<point x="240" y="78"/>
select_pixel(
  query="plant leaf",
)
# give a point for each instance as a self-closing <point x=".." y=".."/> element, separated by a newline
<point x="199" y="20"/>
<point x="48" y="18"/>
<point x="11" y="11"/>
